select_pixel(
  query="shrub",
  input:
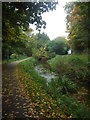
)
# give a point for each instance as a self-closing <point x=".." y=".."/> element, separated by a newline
<point x="73" y="67"/>
<point x="73" y="108"/>
<point x="55" y="89"/>
<point x="52" y="88"/>
<point x="78" y="73"/>
<point x="60" y="86"/>
<point x="76" y="61"/>
<point x="52" y="55"/>
<point x="66" y="85"/>
<point x="14" y="55"/>
<point x="36" y="53"/>
<point x="61" y="68"/>
<point x="28" y="67"/>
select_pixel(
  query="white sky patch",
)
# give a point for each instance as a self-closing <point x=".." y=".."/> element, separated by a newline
<point x="55" y="20"/>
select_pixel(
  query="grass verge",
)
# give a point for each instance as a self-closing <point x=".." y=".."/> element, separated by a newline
<point x="50" y="101"/>
<point x="74" y="67"/>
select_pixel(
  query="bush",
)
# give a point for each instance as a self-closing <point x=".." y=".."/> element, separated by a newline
<point x="55" y="89"/>
<point x="76" y="61"/>
<point x="74" y="67"/>
<point x="52" y="54"/>
<point x="66" y="85"/>
<point x="28" y="67"/>
<point x="14" y="55"/>
<point x="52" y="88"/>
<point x="36" y="53"/>
<point x="74" y="108"/>
<point x="78" y="73"/>
<point x="60" y="86"/>
<point x="61" y="68"/>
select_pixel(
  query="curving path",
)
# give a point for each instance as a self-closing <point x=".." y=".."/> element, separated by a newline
<point x="14" y="103"/>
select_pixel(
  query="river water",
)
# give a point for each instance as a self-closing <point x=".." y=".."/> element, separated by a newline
<point x="47" y="75"/>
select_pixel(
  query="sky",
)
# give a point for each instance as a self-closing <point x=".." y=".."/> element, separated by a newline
<point x="55" y="22"/>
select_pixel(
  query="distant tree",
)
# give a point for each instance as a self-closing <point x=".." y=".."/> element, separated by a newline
<point x="58" y="45"/>
<point x="42" y="39"/>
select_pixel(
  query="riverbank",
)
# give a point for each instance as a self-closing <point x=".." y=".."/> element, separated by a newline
<point x="36" y="88"/>
<point x="59" y="92"/>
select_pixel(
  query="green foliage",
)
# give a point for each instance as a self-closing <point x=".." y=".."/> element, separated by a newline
<point x="36" y="89"/>
<point x="51" y="54"/>
<point x="42" y="40"/>
<point x="28" y="67"/>
<point x="69" y="58"/>
<point x="13" y="55"/>
<point x="66" y="85"/>
<point x="57" y="92"/>
<point x="77" y="26"/>
<point x="21" y="14"/>
<point x="39" y="47"/>
<point x="74" y="108"/>
<point x="76" y="61"/>
<point x="17" y="17"/>
<point x="73" y="66"/>
<point x="58" y="45"/>
<point x="36" y="53"/>
<point x="39" y="53"/>
<point x="61" y="68"/>
<point x="15" y="43"/>
<point x="61" y="86"/>
<point x="43" y="51"/>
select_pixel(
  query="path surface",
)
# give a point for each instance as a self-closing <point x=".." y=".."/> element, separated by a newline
<point x="14" y="103"/>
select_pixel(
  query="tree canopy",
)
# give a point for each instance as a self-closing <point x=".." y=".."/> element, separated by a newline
<point x="42" y="39"/>
<point x="17" y="17"/>
<point x="22" y="13"/>
<point x="77" y="25"/>
<point x="58" y="45"/>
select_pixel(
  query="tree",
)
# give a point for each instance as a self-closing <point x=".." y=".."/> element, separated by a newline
<point x="42" y="39"/>
<point x="23" y="13"/>
<point x="77" y="24"/>
<point x="58" y="45"/>
<point x="17" y="16"/>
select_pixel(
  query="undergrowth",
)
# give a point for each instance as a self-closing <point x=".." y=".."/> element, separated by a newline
<point x="20" y="57"/>
<point x="54" y="100"/>
<point x="74" y="67"/>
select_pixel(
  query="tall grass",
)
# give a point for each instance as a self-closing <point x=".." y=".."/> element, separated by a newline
<point x="73" y="66"/>
<point x="28" y="67"/>
<point x="57" y="92"/>
<point x="67" y="59"/>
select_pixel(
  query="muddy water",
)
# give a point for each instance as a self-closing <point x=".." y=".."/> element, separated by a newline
<point x="47" y="75"/>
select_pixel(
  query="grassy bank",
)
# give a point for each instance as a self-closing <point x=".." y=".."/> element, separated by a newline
<point x="35" y="86"/>
<point x="70" y="58"/>
<point x="74" y="67"/>
<point x="56" y="99"/>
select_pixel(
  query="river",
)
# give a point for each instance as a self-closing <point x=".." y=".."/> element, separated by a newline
<point x="47" y="75"/>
